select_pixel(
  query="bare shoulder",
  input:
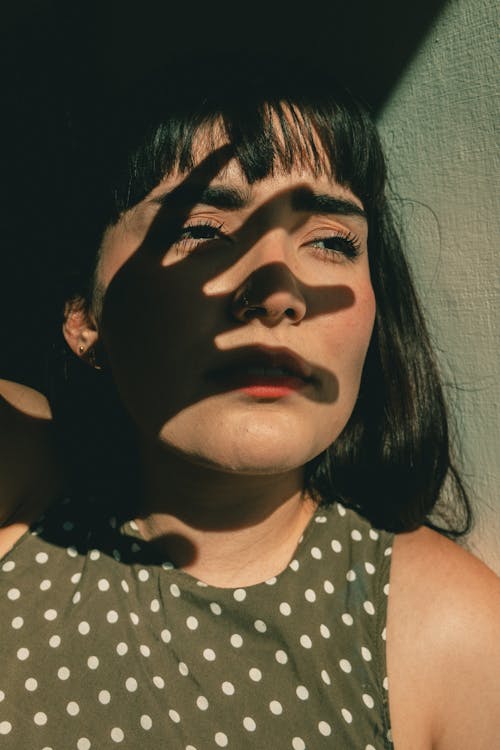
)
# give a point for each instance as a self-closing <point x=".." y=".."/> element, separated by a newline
<point x="443" y="645"/>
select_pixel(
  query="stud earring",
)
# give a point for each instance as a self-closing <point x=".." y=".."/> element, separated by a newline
<point x="81" y="349"/>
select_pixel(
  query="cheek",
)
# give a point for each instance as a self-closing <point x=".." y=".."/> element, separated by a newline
<point x="349" y="332"/>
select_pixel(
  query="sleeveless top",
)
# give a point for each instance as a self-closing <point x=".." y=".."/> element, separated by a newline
<point x="104" y="645"/>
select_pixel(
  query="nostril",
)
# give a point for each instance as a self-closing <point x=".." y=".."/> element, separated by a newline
<point x="291" y="313"/>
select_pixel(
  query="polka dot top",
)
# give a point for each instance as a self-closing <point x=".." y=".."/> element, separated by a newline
<point x="103" y="645"/>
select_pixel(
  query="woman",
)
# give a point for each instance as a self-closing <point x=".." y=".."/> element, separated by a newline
<point x="252" y="307"/>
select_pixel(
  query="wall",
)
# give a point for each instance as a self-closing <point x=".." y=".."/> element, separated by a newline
<point x="438" y="126"/>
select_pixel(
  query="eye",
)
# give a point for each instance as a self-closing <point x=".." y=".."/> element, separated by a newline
<point x="337" y="246"/>
<point x="196" y="233"/>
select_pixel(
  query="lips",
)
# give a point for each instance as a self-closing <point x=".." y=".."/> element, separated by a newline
<point x="262" y="366"/>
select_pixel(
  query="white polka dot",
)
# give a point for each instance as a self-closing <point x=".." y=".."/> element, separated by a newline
<point x="305" y="641"/>
<point x="117" y="734"/>
<point x="125" y="586"/>
<point x="316" y="553"/>
<point x="271" y="581"/>
<point x="386" y="589"/>
<point x="366" y="653"/>
<point x="302" y="692"/>
<point x="31" y="684"/>
<point x="174" y="716"/>
<point x="281" y="657"/>
<point x="84" y="628"/>
<point x="104" y="697"/>
<point x="236" y="640"/>
<point x="294" y="565"/>
<point x="285" y="609"/>
<point x="76" y="597"/>
<point x="369" y="608"/>
<point x="166" y="635"/>
<point x="347" y="619"/>
<point x="325" y="677"/>
<point x="94" y="554"/>
<point x="324" y="728"/>
<point x="385" y="683"/>
<point x="41" y="557"/>
<point x="158" y="681"/>
<point x="146" y="722"/>
<point x="143" y="575"/>
<point x="54" y="641"/>
<point x="92" y="662"/>
<point x="221" y="739"/>
<point x="369" y="747"/>
<point x="2" y="695"/>
<point x="239" y="595"/>
<point x="73" y="708"/>
<point x="336" y="545"/>
<point x="276" y="708"/>
<point x="40" y="718"/>
<point x="183" y="669"/>
<point x="328" y="587"/>
<point x="209" y="654"/>
<point x="121" y="648"/>
<point x="341" y="510"/>
<point x="356" y="535"/>
<point x="13" y="594"/>
<point x="216" y="608"/>
<point x="155" y="605"/>
<point x="249" y="724"/>
<point x="350" y="575"/>
<point x="72" y="551"/>
<point x="310" y="595"/>
<point x="368" y="700"/>
<point x="255" y="674"/>
<point x="347" y="715"/>
<point x="50" y="614"/>
<point x="345" y="665"/>
<point x="370" y="568"/>
<point x="134" y="618"/>
<point x="103" y="584"/>
<point x="384" y="634"/>
<point x="76" y="577"/>
<point x="23" y="654"/>
<point x="17" y="623"/>
<point x="373" y="534"/>
<point x="131" y="684"/>
<point x="192" y="623"/>
<point x="63" y="673"/>
<point x="145" y="650"/>
<point x="260" y="626"/>
<point x="298" y="744"/>
<point x="83" y="744"/>
<point x="175" y="590"/>
<point x="202" y="703"/>
<point x="45" y="584"/>
<point x="388" y="552"/>
<point x="112" y="616"/>
<point x="8" y="566"/>
<point x="228" y="688"/>
<point x="325" y="631"/>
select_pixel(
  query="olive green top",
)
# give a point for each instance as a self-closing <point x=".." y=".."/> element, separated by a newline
<point x="104" y="645"/>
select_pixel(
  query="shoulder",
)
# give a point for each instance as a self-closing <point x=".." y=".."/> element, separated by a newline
<point x="443" y="645"/>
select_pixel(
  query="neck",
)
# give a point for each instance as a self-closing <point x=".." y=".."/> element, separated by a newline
<point x="224" y="529"/>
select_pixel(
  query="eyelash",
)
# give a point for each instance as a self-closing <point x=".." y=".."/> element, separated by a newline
<point x="350" y="245"/>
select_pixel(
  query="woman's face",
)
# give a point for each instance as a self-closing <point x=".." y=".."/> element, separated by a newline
<point x="236" y="317"/>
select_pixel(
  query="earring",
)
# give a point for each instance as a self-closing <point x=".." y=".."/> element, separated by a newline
<point x="81" y="349"/>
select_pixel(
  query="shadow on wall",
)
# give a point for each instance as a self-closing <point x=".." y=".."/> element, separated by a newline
<point x="53" y="49"/>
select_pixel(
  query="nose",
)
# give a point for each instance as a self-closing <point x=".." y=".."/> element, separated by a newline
<point x="270" y="291"/>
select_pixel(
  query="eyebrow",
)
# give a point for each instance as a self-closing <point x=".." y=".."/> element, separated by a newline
<point x="234" y="199"/>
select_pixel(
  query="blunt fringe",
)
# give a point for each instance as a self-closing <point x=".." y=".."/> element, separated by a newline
<point x="392" y="461"/>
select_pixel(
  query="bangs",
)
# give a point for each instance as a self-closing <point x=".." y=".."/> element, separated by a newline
<point x="322" y="133"/>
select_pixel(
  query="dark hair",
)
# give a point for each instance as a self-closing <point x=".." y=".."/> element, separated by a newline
<point x="392" y="459"/>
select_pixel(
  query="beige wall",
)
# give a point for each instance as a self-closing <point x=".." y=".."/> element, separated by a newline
<point x="439" y="132"/>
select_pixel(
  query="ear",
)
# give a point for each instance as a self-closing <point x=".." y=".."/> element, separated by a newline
<point x="79" y="329"/>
